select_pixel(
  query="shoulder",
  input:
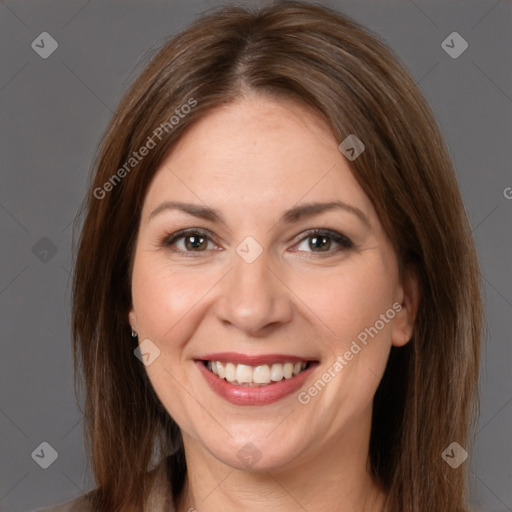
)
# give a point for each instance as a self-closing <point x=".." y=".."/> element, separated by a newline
<point x="160" y="498"/>
<point x="80" y="504"/>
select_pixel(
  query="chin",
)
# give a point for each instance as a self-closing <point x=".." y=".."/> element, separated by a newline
<point x="254" y="453"/>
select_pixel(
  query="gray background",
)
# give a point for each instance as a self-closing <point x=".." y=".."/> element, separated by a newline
<point x="54" y="112"/>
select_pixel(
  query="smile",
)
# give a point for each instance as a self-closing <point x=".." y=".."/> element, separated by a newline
<point x="255" y="380"/>
<point x="251" y="376"/>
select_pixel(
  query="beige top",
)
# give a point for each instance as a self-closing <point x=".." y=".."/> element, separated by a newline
<point x="159" y="500"/>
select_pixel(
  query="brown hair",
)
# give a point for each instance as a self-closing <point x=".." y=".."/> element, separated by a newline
<point x="427" y="397"/>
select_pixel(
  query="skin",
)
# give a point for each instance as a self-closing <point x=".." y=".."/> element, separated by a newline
<point x="252" y="160"/>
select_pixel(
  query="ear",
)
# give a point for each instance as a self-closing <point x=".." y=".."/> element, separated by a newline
<point x="406" y="307"/>
<point x="132" y="319"/>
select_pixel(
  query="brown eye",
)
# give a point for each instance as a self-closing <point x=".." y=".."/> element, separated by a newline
<point x="321" y="241"/>
<point x="193" y="242"/>
<point x="188" y="241"/>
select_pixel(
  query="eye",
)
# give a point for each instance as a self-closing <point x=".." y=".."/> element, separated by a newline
<point x="321" y="241"/>
<point x="188" y="241"/>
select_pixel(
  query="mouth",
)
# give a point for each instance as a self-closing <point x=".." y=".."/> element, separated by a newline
<point x="255" y="380"/>
<point x="256" y="376"/>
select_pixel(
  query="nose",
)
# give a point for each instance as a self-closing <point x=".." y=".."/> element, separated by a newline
<point x="254" y="297"/>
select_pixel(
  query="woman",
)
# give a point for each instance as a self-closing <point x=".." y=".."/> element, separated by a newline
<point x="276" y="295"/>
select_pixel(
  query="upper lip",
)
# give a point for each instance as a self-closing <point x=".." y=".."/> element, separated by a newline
<point x="253" y="360"/>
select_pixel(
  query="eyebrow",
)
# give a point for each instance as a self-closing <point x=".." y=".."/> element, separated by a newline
<point x="290" y="216"/>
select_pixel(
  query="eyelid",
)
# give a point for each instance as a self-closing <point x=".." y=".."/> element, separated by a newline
<point x="187" y="231"/>
<point x="341" y="239"/>
<point x="168" y="240"/>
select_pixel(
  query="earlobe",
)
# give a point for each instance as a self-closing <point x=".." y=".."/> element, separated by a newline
<point x="132" y="319"/>
<point x="403" y="325"/>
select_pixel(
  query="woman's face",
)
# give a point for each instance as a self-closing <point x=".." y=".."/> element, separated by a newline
<point x="252" y="291"/>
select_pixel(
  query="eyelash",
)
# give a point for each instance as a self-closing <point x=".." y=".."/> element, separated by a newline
<point x="344" y="242"/>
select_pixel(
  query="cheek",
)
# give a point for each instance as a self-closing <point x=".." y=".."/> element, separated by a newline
<point x="348" y="300"/>
<point x="164" y="298"/>
<point x="166" y="302"/>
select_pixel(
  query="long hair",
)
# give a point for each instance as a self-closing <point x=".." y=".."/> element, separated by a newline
<point x="428" y="394"/>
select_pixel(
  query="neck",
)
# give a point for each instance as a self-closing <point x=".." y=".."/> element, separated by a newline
<point x="335" y="478"/>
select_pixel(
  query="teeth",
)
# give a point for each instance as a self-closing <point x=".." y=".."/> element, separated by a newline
<point x="221" y="371"/>
<point x="245" y="375"/>
<point x="230" y="372"/>
<point x="276" y="372"/>
<point x="261" y="374"/>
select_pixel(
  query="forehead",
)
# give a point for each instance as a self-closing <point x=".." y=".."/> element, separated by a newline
<point x="253" y="153"/>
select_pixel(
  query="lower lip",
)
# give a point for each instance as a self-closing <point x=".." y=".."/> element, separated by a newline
<point x="254" y="395"/>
